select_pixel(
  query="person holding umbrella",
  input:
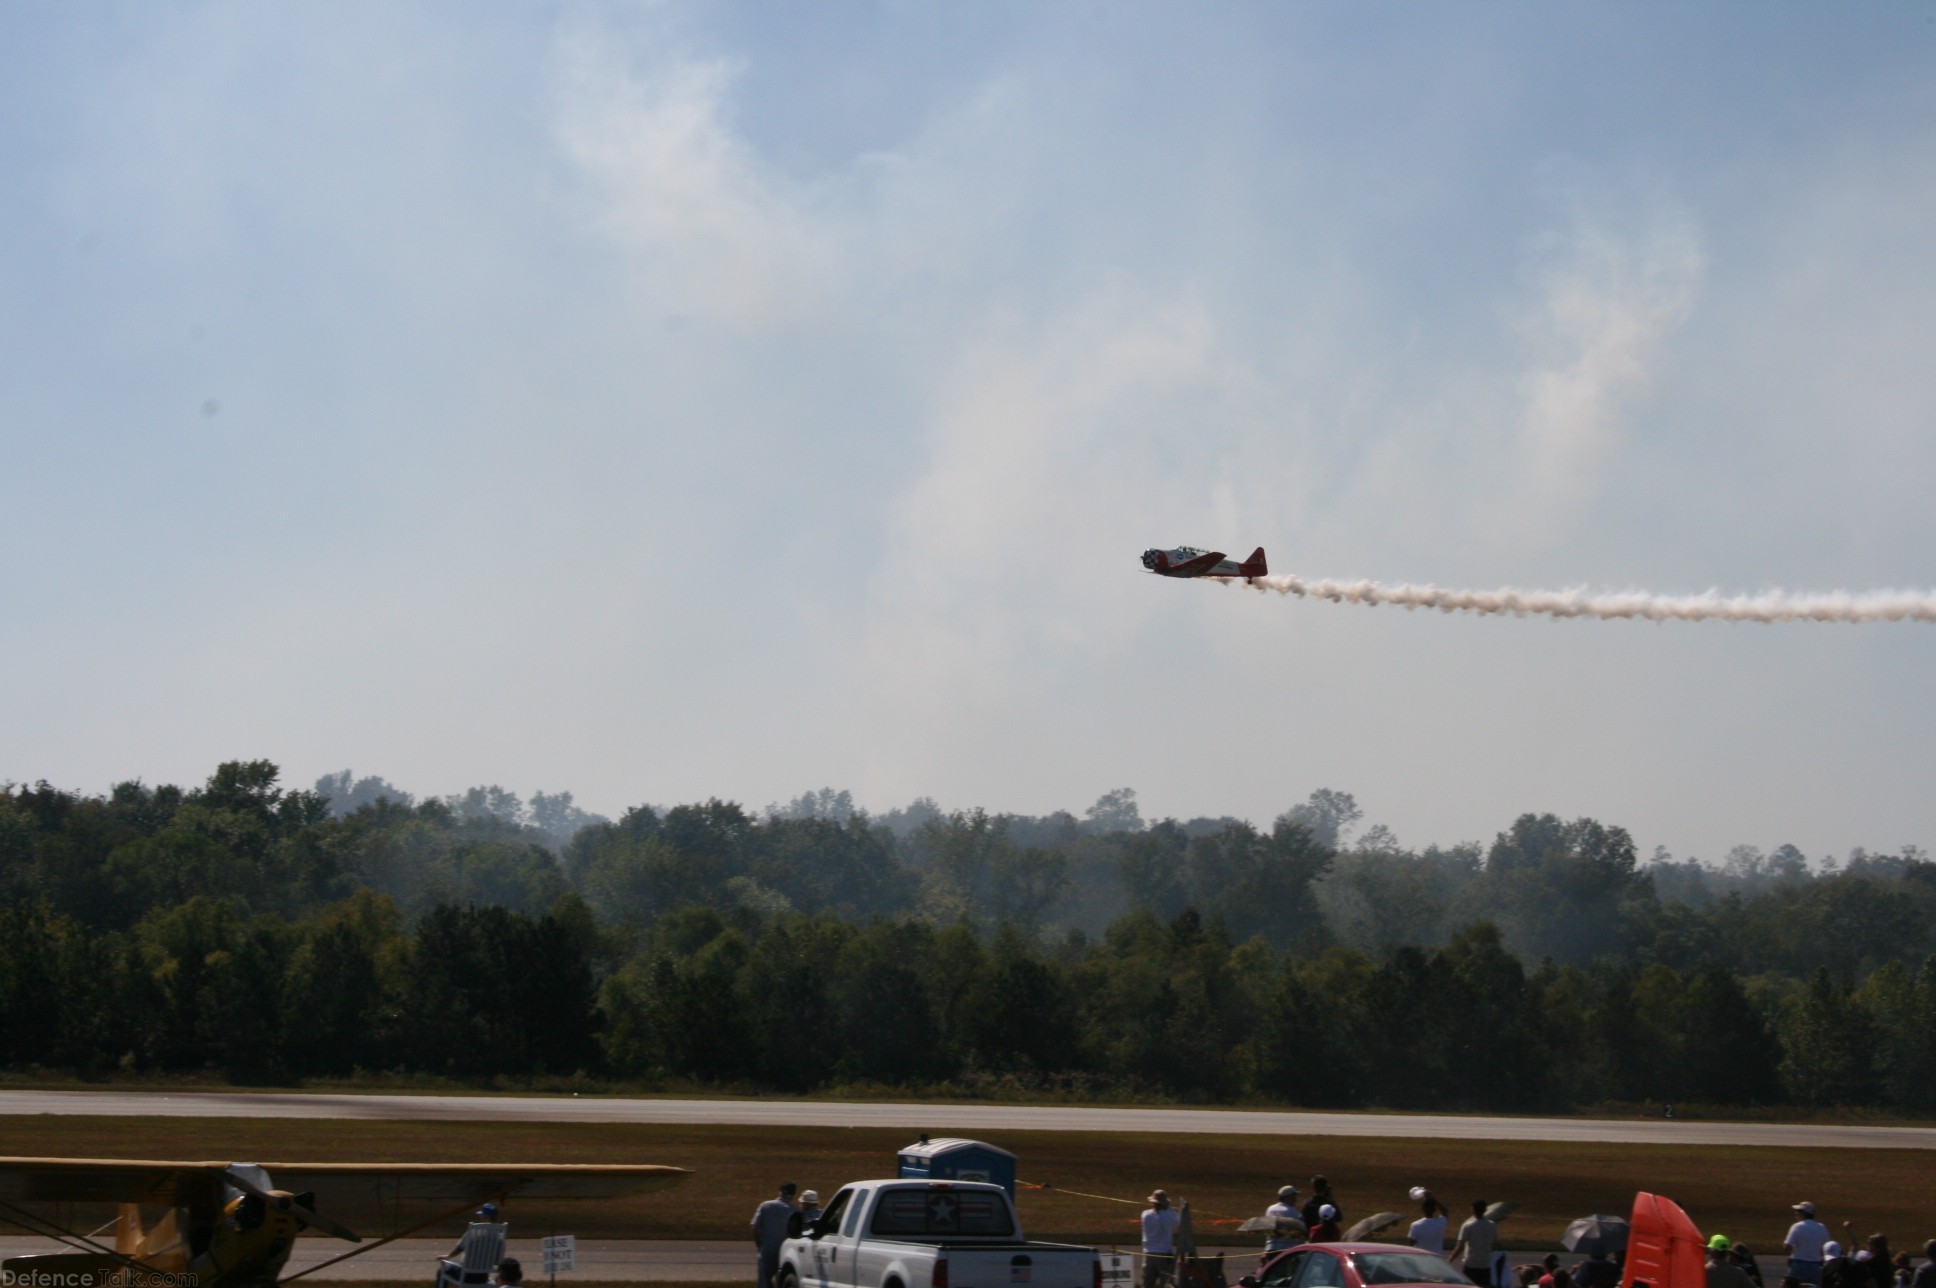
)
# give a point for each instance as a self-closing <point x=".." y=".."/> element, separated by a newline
<point x="1598" y="1237"/>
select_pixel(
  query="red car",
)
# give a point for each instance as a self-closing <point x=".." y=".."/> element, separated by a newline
<point x="1353" y="1265"/>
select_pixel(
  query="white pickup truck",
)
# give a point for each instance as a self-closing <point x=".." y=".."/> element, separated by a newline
<point x="928" y="1234"/>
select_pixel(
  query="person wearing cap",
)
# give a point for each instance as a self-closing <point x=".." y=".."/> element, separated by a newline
<point x="486" y="1215"/>
<point x="1721" y="1270"/>
<point x="1835" y="1270"/>
<point x="1428" y="1232"/>
<point x="1326" y="1230"/>
<point x="1160" y="1222"/>
<point x="1473" y="1251"/>
<point x="1805" y="1241"/>
<point x="1285" y="1209"/>
<point x="770" y="1222"/>
<point x="810" y="1208"/>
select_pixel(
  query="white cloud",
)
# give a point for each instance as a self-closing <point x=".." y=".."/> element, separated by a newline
<point x="713" y="231"/>
<point x="1609" y="300"/>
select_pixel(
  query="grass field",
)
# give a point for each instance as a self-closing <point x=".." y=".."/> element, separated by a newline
<point x="1743" y="1192"/>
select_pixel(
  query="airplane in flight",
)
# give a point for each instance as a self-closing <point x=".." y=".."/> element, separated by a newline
<point x="228" y="1225"/>
<point x="1188" y="561"/>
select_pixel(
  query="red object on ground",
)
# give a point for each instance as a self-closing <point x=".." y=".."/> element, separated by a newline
<point x="1664" y="1250"/>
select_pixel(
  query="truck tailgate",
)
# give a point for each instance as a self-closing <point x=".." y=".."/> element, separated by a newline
<point x="1020" y="1267"/>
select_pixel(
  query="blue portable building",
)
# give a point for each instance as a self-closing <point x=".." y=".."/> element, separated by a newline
<point x="951" y="1158"/>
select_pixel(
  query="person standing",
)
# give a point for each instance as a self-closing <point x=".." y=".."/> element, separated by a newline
<point x="1428" y="1232"/>
<point x="810" y="1208"/>
<point x="1160" y="1222"/>
<point x="1473" y="1251"/>
<point x="1805" y="1241"/>
<point x="1876" y="1261"/>
<point x="1721" y="1270"/>
<point x="1320" y="1195"/>
<point x="1326" y="1230"/>
<point x="1925" y="1276"/>
<point x="1285" y="1209"/>
<point x="1744" y="1257"/>
<point x="769" y="1224"/>
<point x="1834" y="1268"/>
<point x="1597" y="1271"/>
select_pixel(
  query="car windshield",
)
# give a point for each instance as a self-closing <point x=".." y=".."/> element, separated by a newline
<point x="942" y="1209"/>
<point x="1406" y="1268"/>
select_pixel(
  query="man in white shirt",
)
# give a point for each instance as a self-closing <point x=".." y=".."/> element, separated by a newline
<point x="1160" y="1221"/>
<point x="1285" y="1209"/>
<point x="1474" y="1248"/>
<point x="1428" y="1232"/>
<point x="1806" y="1240"/>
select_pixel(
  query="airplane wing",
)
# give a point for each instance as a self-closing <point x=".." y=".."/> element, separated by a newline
<point x="1198" y="566"/>
<point x="107" y="1180"/>
<point x="178" y="1184"/>
<point x="458" y="1182"/>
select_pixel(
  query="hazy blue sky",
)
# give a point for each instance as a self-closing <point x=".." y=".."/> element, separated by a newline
<point x="664" y="401"/>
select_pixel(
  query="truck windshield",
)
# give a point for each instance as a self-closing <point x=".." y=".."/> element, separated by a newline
<point x="942" y="1209"/>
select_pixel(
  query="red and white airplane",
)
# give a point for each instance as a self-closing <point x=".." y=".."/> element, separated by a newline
<point x="1188" y="561"/>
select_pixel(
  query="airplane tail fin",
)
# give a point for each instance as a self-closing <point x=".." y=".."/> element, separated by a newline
<point x="1255" y="566"/>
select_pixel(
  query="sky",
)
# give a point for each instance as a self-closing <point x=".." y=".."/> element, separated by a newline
<point x="663" y="401"/>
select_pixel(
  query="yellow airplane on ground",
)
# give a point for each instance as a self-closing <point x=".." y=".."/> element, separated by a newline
<point x="228" y="1225"/>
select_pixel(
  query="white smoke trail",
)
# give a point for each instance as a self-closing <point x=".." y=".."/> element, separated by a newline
<point x="1770" y="606"/>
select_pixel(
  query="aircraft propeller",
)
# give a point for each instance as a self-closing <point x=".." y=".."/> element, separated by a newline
<point x="300" y="1206"/>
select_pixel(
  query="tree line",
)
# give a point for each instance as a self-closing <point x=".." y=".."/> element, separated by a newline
<point x="272" y="935"/>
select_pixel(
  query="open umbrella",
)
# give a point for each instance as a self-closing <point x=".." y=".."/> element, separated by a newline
<point x="1274" y="1225"/>
<point x="1596" y="1236"/>
<point x="1372" y="1225"/>
<point x="1501" y="1210"/>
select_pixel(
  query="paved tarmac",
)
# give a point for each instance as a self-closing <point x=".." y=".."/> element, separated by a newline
<point x="638" y="1260"/>
<point x="949" y="1118"/>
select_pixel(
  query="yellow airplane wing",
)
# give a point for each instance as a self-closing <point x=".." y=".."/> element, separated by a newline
<point x="457" y="1182"/>
<point x="106" y="1180"/>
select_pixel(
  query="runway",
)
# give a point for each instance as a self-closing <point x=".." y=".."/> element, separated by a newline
<point x="415" y="1259"/>
<point x="952" y="1118"/>
<point x="626" y="1260"/>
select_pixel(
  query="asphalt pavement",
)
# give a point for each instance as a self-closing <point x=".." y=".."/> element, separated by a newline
<point x="952" y="1118"/>
<point x="636" y="1260"/>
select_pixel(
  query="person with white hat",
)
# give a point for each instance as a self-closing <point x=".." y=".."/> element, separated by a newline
<point x="1835" y="1267"/>
<point x="1160" y="1222"/>
<point x="1285" y="1209"/>
<point x="1806" y="1241"/>
<point x="809" y="1206"/>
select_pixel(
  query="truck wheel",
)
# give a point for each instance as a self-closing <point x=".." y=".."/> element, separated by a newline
<point x="786" y="1279"/>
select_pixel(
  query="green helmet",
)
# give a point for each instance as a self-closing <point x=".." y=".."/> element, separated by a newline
<point x="1719" y="1243"/>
